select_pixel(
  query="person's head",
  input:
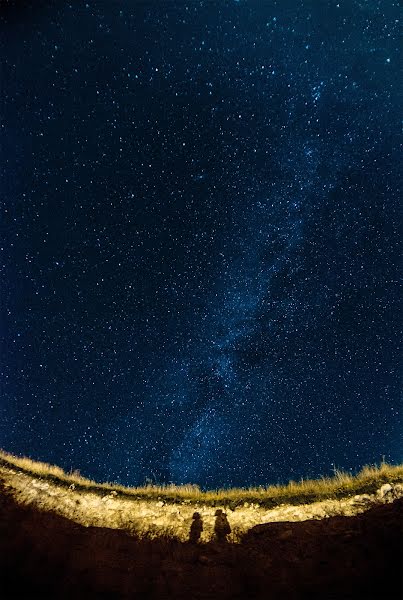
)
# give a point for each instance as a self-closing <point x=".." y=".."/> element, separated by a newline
<point x="218" y="512"/>
<point x="196" y="516"/>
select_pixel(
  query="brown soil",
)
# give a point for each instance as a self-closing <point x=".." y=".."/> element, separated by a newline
<point x="48" y="556"/>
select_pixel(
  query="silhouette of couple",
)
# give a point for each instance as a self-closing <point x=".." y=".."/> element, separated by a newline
<point x="221" y="527"/>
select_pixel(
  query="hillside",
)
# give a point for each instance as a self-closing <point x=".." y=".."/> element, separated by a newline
<point x="62" y="539"/>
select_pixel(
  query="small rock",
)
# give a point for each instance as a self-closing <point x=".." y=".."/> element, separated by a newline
<point x="387" y="493"/>
<point x="398" y="490"/>
<point x="363" y="499"/>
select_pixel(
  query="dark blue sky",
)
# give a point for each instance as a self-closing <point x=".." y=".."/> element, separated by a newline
<point x="199" y="235"/>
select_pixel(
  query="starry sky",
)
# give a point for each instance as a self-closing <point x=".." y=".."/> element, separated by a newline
<point x="199" y="237"/>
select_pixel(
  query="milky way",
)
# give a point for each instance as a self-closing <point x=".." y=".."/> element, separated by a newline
<point x="200" y="238"/>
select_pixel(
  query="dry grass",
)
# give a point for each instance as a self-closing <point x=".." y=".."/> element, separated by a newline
<point x="341" y="485"/>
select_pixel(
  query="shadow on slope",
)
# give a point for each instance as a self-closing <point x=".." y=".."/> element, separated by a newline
<point x="341" y="557"/>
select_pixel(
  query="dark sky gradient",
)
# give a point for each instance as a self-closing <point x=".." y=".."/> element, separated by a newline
<point x="200" y="237"/>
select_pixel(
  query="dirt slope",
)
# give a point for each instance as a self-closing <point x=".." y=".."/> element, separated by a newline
<point x="46" y="555"/>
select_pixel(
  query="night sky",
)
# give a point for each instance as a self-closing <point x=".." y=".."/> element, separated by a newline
<point x="200" y="251"/>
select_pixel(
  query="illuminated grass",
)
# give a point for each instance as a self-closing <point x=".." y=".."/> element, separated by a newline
<point x="341" y="485"/>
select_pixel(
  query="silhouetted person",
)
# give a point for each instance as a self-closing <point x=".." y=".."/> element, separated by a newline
<point x="221" y="526"/>
<point x="196" y="528"/>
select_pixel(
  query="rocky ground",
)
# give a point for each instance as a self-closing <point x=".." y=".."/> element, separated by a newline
<point x="111" y="509"/>
<point x="46" y="555"/>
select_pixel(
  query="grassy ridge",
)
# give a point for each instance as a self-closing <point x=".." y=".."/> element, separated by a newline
<point x="341" y="485"/>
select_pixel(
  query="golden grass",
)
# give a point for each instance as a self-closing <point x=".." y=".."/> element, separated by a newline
<point x="342" y="484"/>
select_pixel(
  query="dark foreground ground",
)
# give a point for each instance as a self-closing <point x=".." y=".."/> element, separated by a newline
<point x="46" y="556"/>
